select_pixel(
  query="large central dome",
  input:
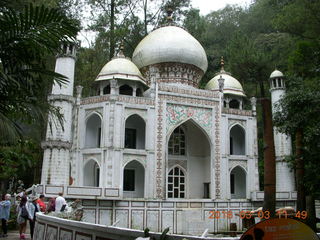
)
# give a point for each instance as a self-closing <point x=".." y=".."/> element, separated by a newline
<point x="170" y="44"/>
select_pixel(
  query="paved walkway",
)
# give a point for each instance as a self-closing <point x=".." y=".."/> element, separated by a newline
<point x="14" y="235"/>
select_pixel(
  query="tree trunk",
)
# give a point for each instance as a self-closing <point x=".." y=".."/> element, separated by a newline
<point x="301" y="195"/>
<point x="112" y="40"/>
<point x="311" y="211"/>
<point x="269" y="202"/>
<point x="145" y="17"/>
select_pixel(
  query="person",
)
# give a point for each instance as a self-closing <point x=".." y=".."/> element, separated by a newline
<point x="5" y="206"/>
<point x="22" y="216"/>
<point x="60" y="203"/>
<point x="51" y="205"/>
<point x="41" y="203"/>
<point x="33" y="208"/>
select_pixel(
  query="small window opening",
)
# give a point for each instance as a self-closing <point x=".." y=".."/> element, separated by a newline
<point x="128" y="180"/>
<point x="126" y="90"/>
<point x="106" y="90"/>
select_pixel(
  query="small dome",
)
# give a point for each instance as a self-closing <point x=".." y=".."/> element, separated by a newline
<point x="170" y="44"/>
<point x="276" y="74"/>
<point x="120" y="67"/>
<point x="231" y="85"/>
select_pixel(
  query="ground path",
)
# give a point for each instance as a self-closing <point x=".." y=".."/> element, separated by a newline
<point x="14" y="235"/>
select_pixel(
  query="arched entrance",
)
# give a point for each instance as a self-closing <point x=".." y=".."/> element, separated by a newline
<point x="133" y="180"/>
<point x="93" y="131"/>
<point x="91" y="174"/>
<point x="237" y="141"/>
<point x="135" y="132"/>
<point x="189" y="149"/>
<point x="238" y="183"/>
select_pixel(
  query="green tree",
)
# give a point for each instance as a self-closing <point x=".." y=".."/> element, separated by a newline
<point x="25" y="40"/>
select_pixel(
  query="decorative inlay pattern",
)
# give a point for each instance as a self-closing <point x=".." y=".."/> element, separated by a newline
<point x="120" y="98"/>
<point x="173" y="72"/>
<point x="98" y="111"/>
<point x="61" y="97"/>
<point x="217" y="151"/>
<point x="235" y="163"/>
<point x="159" y="144"/>
<point x="176" y="114"/>
<point x="182" y="163"/>
<point x="56" y="144"/>
<point x="130" y="157"/>
<point x="237" y="121"/>
<point x="189" y="92"/>
<point x="188" y="100"/>
<point x="237" y="112"/>
<point x="160" y="190"/>
<point x="132" y="111"/>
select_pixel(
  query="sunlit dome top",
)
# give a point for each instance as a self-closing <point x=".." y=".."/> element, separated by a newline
<point x="120" y="67"/>
<point x="276" y="74"/>
<point x="170" y="44"/>
<point x="231" y="85"/>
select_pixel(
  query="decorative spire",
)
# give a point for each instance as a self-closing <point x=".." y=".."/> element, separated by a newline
<point x="121" y="48"/>
<point x="222" y="64"/>
<point x="169" y="15"/>
<point x="221" y="83"/>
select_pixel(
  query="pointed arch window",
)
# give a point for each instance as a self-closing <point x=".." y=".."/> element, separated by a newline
<point x="106" y="90"/>
<point x="176" y="183"/>
<point x="177" y="142"/>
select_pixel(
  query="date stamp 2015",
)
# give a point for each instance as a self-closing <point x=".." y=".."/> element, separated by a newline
<point x="216" y="214"/>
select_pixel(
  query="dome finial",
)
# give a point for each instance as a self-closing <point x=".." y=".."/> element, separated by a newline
<point x="222" y="64"/>
<point x="121" y="48"/>
<point x="169" y="14"/>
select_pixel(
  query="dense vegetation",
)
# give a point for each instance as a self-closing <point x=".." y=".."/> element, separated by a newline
<point x="254" y="41"/>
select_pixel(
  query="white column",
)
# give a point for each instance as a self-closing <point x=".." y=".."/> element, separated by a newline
<point x="58" y="142"/>
<point x="283" y="147"/>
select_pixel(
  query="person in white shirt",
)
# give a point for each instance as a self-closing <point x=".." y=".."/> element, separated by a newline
<point x="60" y="202"/>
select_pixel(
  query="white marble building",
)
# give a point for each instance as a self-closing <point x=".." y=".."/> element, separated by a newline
<point x="151" y="134"/>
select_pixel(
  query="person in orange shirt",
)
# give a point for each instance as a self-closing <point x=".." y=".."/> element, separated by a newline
<point x="41" y="203"/>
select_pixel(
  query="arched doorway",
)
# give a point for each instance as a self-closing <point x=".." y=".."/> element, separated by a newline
<point x="93" y="131"/>
<point x="106" y="90"/>
<point x="126" y="90"/>
<point x="238" y="183"/>
<point x="91" y="174"/>
<point x="133" y="180"/>
<point x="237" y="141"/>
<point x="189" y="147"/>
<point x="234" y="103"/>
<point x="176" y="183"/>
<point x="135" y="132"/>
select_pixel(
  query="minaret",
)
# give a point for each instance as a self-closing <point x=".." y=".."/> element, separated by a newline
<point x="56" y="158"/>
<point x="282" y="142"/>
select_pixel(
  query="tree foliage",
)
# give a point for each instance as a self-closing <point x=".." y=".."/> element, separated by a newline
<point x="25" y="40"/>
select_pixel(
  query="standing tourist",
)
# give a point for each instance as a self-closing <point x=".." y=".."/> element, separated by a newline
<point x="60" y="203"/>
<point x="41" y="203"/>
<point x="5" y="205"/>
<point x="51" y="205"/>
<point x="23" y="216"/>
<point x="33" y="208"/>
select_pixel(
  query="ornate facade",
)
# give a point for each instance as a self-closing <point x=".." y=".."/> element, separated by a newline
<point x="150" y="133"/>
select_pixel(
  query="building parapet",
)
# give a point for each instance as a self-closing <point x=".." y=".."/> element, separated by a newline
<point x="120" y="98"/>
<point x="56" y="144"/>
<point x="61" y="97"/>
<point x="183" y="216"/>
<point x="50" y="227"/>
<point x="259" y="196"/>
<point x="237" y="112"/>
<point x="189" y="91"/>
